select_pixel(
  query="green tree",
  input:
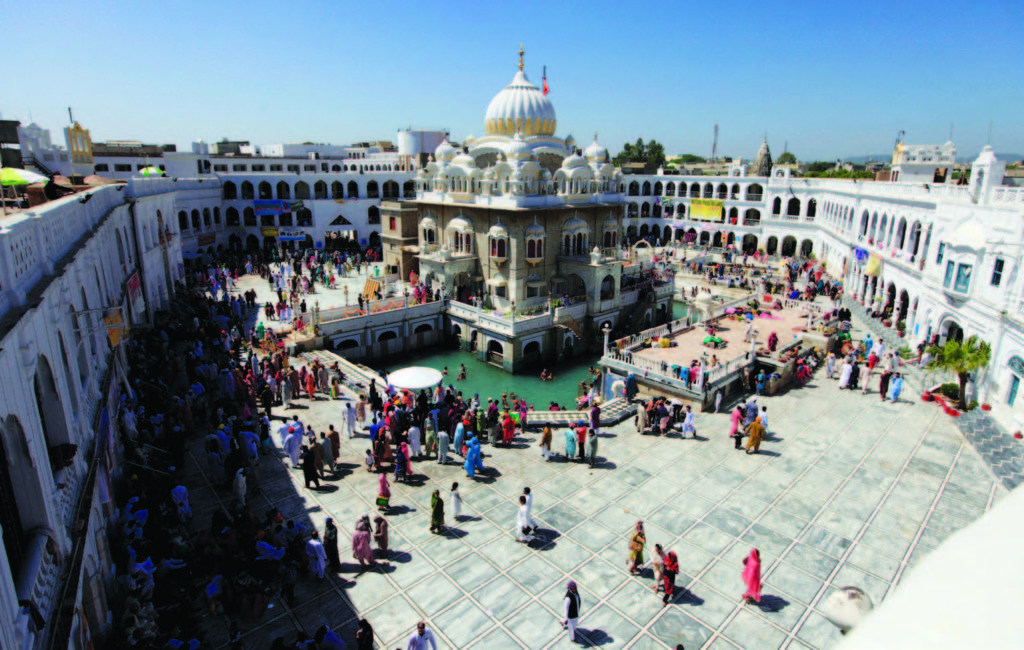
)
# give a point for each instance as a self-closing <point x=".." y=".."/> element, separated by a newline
<point x="651" y="153"/>
<point x="787" y="158"/>
<point x="820" y="166"/>
<point x="961" y="359"/>
<point x="688" y="159"/>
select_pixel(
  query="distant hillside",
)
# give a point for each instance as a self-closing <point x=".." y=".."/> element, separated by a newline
<point x="965" y="158"/>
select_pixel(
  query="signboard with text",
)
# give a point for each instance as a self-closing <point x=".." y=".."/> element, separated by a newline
<point x="269" y="207"/>
<point x="706" y="210"/>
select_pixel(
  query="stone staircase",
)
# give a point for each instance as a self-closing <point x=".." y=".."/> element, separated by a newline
<point x="612" y="412"/>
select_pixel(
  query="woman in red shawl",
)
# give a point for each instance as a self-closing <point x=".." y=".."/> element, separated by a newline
<point x="752" y="577"/>
<point x="310" y="384"/>
<point x="508" y="429"/>
<point x="668" y="576"/>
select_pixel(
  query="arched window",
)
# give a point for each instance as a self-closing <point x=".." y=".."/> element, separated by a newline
<point x="658" y="189"/>
<point x="390" y="189"/>
<point x="284" y="191"/>
<point x="247" y="191"/>
<point x="320" y="190"/>
<point x="646" y="190"/>
<point x="206" y="217"/>
<point x="695" y="191"/>
<point x="335" y="168"/>
<point x="266" y="192"/>
<point x="232" y="215"/>
<point x="216" y="216"/>
<point x="302" y="190"/>
<point x="709" y="191"/>
<point x="182" y="221"/>
<point x="372" y="190"/>
<point x="409" y="189"/>
<point x="195" y="220"/>
<point x="812" y="208"/>
<point x="373" y="215"/>
<point x="249" y="217"/>
<point x="754" y="192"/>
<point x="353" y="190"/>
<point x="634" y="189"/>
<point x="723" y="191"/>
<point x="735" y="194"/>
<point x="230" y="190"/>
<point x="777" y="206"/>
<point x="793" y="207"/>
<point x="670" y="189"/>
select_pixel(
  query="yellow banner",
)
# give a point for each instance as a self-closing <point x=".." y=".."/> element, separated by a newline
<point x="116" y="328"/>
<point x="706" y="210"/>
<point x="874" y="266"/>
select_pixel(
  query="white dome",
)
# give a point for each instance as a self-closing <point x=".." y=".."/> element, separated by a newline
<point x="595" y="153"/>
<point x="570" y="141"/>
<point x="445" y="151"/>
<point x="534" y="231"/>
<point x="520" y="107"/>
<point x="497" y="232"/>
<point x="573" y="161"/>
<point x="517" y="149"/>
<point x="465" y="160"/>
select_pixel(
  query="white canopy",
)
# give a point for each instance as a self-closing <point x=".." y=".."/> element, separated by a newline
<point x="415" y="378"/>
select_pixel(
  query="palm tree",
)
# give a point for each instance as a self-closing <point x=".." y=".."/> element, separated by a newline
<point x="961" y="358"/>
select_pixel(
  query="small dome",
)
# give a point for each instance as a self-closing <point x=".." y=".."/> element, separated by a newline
<point x="497" y="232"/>
<point x="445" y="151"/>
<point x="570" y="141"/>
<point x="607" y="169"/>
<point x="517" y="149"/>
<point x="464" y="160"/>
<point x="573" y="161"/>
<point x="461" y="225"/>
<point x="575" y="225"/>
<point x="534" y="231"/>
<point x="595" y="153"/>
<point x="428" y="222"/>
<point x="470" y="139"/>
<point x="610" y="223"/>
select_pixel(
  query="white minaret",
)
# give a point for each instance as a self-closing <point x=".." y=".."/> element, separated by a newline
<point x="986" y="173"/>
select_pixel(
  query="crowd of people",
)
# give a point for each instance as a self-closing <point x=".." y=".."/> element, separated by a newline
<point x="202" y="374"/>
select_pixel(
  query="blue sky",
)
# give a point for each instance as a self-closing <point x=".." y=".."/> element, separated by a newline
<point x="831" y="79"/>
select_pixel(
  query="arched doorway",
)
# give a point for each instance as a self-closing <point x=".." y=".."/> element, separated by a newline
<point x="749" y="244"/>
<point x="575" y="287"/>
<point x="951" y="331"/>
<point x="789" y="246"/>
<point x="716" y="241"/>
<point x="903" y="307"/>
<point x="51" y="414"/>
<point x="772" y="245"/>
<point x="806" y="248"/>
<point x="705" y="238"/>
<point x="252" y="243"/>
<point x="607" y="287"/>
<point x="22" y="507"/>
<point x="495" y="351"/>
<point x="374" y="239"/>
<point x="234" y="242"/>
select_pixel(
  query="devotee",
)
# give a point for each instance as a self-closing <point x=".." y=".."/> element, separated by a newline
<point x="436" y="512"/>
<point x="331" y="545"/>
<point x="524" y="531"/>
<point x="637" y="539"/>
<point x="671" y="570"/>
<point x="383" y="492"/>
<point x="688" y="423"/>
<point x="592" y="447"/>
<point x="752" y="577"/>
<point x="756" y="432"/>
<point x="734" y="423"/>
<point x="456" y="502"/>
<point x="380" y="536"/>
<point x="361" y="550"/>
<point x="545" y="444"/>
<point x="421" y="638"/>
<point x="571" y="610"/>
<point x="657" y="566"/>
<point x="317" y="555"/>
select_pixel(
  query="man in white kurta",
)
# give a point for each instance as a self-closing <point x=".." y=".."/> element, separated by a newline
<point x="529" y="508"/>
<point x="350" y="420"/>
<point x="415" y="444"/>
<point x="239" y="486"/>
<point x="523" y="522"/>
<point x="293" y="445"/>
<point x="317" y="555"/>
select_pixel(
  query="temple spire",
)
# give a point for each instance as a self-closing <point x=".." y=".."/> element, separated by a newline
<point x="521" y="53"/>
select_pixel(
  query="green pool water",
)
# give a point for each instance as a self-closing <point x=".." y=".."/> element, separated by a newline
<point x="490" y="381"/>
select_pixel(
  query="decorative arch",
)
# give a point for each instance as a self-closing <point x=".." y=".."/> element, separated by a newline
<point x="353" y="190"/>
<point x="230" y="190"/>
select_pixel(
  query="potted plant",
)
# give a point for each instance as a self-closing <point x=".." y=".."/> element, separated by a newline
<point x="961" y="359"/>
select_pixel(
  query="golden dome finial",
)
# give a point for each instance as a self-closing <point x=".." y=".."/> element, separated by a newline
<point x="521" y="53"/>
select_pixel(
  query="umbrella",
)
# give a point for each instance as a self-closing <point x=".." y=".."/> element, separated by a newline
<point x="415" y="378"/>
<point x="15" y="176"/>
<point x="149" y="172"/>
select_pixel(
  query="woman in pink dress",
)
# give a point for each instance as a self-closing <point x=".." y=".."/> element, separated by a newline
<point x="408" y="457"/>
<point x="752" y="577"/>
<point x="734" y="425"/>
<point x="361" y="550"/>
